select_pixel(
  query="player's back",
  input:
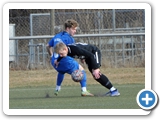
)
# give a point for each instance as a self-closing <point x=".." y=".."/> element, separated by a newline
<point x="61" y="37"/>
<point x="67" y="65"/>
<point x="88" y="47"/>
<point x="66" y="38"/>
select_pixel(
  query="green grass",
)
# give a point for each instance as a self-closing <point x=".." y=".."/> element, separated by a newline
<point x="70" y="98"/>
<point x="34" y="89"/>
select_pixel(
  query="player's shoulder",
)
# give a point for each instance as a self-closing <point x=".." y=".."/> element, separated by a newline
<point x="57" y="37"/>
<point x="65" y="34"/>
<point x="59" y="34"/>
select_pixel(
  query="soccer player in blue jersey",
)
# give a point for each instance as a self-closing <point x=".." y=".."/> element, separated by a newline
<point x="65" y="37"/>
<point x="69" y="65"/>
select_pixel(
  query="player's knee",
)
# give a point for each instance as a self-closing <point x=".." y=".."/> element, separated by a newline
<point x="80" y="67"/>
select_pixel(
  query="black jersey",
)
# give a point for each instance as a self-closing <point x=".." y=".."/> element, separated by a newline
<point x="93" y="49"/>
<point x="88" y="47"/>
<point x="76" y="52"/>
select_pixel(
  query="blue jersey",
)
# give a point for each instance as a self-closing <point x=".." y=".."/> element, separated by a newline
<point x="61" y="37"/>
<point x="66" y="65"/>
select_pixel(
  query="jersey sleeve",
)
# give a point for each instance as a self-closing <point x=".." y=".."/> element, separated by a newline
<point x="51" y="42"/>
<point x="54" y="41"/>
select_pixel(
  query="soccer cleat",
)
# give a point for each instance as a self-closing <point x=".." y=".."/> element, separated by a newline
<point x="113" y="93"/>
<point x="86" y="93"/>
<point x="56" y="92"/>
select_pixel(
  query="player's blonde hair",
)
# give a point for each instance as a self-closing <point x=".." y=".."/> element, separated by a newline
<point x="59" y="46"/>
<point x="70" y="23"/>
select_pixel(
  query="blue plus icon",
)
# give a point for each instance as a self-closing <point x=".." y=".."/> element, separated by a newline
<point x="147" y="99"/>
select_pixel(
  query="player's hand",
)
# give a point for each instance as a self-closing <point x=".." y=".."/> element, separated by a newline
<point x="96" y="73"/>
<point x="82" y="61"/>
<point x="56" y="63"/>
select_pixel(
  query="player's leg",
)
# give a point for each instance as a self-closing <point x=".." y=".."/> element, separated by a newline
<point x="60" y="78"/>
<point x="83" y="84"/>
<point x="104" y="81"/>
<point x="97" y="54"/>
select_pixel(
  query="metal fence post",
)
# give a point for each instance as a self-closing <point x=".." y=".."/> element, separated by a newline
<point x="43" y="54"/>
<point x="113" y="20"/>
<point x="123" y="56"/>
<point x="132" y="48"/>
<point x="99" y="28"/>
<point x="52" y="21"/>
<point x="17" y="57"/>
<point x="141" y="47"/>
<point x="38" y="54"/>
<point x="114" y="38"/>
<point x="31" y="51"/>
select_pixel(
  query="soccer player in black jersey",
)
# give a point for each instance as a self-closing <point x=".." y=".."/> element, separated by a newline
<point x="87" y="51"/>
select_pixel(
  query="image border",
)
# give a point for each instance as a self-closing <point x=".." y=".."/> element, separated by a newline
<point x="8" y="6"/>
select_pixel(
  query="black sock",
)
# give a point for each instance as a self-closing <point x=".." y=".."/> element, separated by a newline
<point x="103" y="80"/>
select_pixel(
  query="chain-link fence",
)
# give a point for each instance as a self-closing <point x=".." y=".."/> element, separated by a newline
<point x="38" y="22"/>
<point x="116" y="50"/>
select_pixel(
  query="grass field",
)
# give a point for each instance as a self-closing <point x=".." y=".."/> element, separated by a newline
<point x="34" y="90"/>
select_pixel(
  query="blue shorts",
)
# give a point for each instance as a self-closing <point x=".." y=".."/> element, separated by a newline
<point x="66" y="65"/>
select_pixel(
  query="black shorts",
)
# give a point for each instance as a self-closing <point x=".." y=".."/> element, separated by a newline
<point x="97" y="55"/>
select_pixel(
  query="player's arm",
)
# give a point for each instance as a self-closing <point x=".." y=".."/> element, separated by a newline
<point x="49" y="50"/>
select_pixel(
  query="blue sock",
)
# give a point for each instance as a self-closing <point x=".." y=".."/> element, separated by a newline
<point x="60" y="78"/>
<point x="83" y="82"/>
